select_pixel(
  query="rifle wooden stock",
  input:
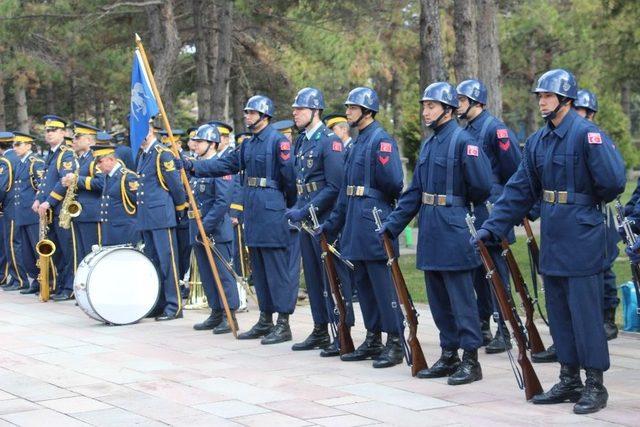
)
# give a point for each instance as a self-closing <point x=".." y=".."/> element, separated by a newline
<point x="531" y="382"/>
<point x="344" y="332"/>
<point x="535" y="342"/>
<point x="418" y="361"/>
<point x="532" y="244"/>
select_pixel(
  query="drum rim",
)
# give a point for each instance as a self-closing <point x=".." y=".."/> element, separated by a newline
<point x="109" y="249"/>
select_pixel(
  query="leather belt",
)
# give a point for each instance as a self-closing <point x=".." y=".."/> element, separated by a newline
<point x="562" y="197"/>
<point x="252" y="181"/>
<point x="441" y="200"/>
<point x="309" y="187"/>
<point x="362" y="191"/>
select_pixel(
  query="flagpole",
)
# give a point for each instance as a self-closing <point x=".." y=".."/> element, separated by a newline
<point x="187" y="187"/>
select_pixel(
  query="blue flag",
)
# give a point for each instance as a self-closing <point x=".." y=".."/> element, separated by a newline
<point x="143" y="104"/>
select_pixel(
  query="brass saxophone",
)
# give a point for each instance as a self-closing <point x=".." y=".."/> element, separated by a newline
<point x="45" y="249"/>
<point x="70" y="207"/>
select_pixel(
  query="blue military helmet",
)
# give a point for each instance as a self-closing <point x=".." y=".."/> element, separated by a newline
<point x="363" y="97"/>
<point x="474" y="90"/>
<point x="558" y="81"/>
<point x="442" y="92"/>
<point x="209" y="133"/>
<point x="261" y="104"/>
<point x="586" y="99"/>
<point x="309" y="97"/>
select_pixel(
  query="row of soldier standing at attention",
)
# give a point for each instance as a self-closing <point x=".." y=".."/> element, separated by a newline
<point x="328" y="185"/>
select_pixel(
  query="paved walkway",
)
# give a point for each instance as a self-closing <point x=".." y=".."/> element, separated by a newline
<point x="61" y="368"/>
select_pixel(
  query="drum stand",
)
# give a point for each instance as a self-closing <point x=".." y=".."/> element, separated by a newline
<point x="197" y="299"/>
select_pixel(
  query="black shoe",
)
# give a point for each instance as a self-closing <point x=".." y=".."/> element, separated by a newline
<point x="547" y="356"/>
<point x="392" y="353"/>
<point x="485" y="329"/>
<point x="370" y="348"/>
<point x="331" y="351"/>
<point x="319" y="338"/>
<point x="594" y="395"/>
<point x="610" y="327"/>
<point x="260" y="329"/>
<point x="63" y="296"/>
<point x="445" y="366"/>
<point x="33" y="289"/>
<point x="14" y="286"/>
<point x="500" y="343"/>
<point x="468" y="371"/>
<point x="169" y="316"/>
<point x="569" y="388"/>
<point x="210" y="322"/>
<point x="224" y="327"/>
<point x="280" y="333"/>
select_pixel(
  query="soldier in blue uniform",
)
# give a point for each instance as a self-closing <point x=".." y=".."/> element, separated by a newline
<point x="319" y="163"/>
<point x="235" y="212"/>
<point x="574" y="168"/>
<point x="501" y="147"/>
<point x="118" y="199"/>
<point x="90" y="182"/>
<point x="60" y="161"/>
<point x="213" y="196"/>
<point x="123" y="151"/>
<point x="373" y="178"/>
<point x="161" y="205"/>
<point x="269" y="188"/>
<point x="6" y="139"/>
<point x="452" y="173"/>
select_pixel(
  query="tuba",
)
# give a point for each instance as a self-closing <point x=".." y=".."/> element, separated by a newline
<point x="70" y="207"/>
<point x="45" y="249"/>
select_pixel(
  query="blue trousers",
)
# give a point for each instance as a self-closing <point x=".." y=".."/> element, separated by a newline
<point x="454" y="309"/>
<point x="574" y="307"/>
<point x="13" y="243"/>
<point x="318" y="289"/>
<point x="611" y="299"/>
<point x="184" y="248"/>
<point x="294" y="258"/>
<point x="28" y="258"/>
<point x="162" y="248"/>
<point x="206" y="276"/>
<point x="272" y="279"/>
<point x="378" y="299"/>
<point x="487" y="304"/>
<point x="236" y="251"/>
<point x="88" y="234"/>
<point x="119" y="234"/>
<point x="66" y="259"/>
<point x="4" y="259"/>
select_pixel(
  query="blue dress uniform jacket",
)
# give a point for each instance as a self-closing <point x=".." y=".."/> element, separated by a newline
<point x="118" y="208"/>
<point x="58" y="164"/>
<point x="90" y="184"/>
<point x="453" y="168"/>
<point x="573" y="158"/>
<point x="124" y="153"/>
<point x="11" y="236"/>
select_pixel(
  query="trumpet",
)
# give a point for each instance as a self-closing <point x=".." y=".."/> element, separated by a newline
<point x="70" y="207"/>
<point x="45" y="249"/>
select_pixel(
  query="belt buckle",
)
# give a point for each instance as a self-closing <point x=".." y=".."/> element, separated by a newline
<point x="562" y="197"/>
<point x="442" y="199"/>
<point x="262" y="182"/>
<point x="311" y="187"/>
<point x="428" y="199"/>
<point x="360" y="191"/>
<point x="252" y="181"/>
<point x="549" y="196"/>
<point x="191" y="215"/>
<point x="349" y="190"/>
<point x="300" y="188"/>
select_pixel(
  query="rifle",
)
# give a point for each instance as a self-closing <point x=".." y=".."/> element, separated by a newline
<point x="344" y="332"/>
<point x="305" y="227"/>
<point x="413" y="354"/>
<point x="534" y="263"/>
<point x="630" y="239"/>
<point x="535" y="342"/>
<point x="529" y="378"/>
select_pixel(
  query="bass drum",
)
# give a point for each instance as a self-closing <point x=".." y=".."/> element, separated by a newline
<point x="116" y="285"/>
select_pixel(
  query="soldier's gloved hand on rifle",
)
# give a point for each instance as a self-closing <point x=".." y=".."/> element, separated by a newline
<point x="632" y="252"/>
<point x="296" y="215"/>
<point x="384" y="229"/>
<point x="483" y="235"/>
<point x="184" y="163"/>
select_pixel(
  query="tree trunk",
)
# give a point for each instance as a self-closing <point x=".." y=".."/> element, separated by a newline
<point x="106" y="109"/>
<point x="3" y="117"/>
<point x="465" y="60"/>
<point x="220" y="79"/>
<point x="531" y="122"/>
<point x="50" y="98"/>
<point x="489" y="54"/>
<point x="73" y="95"/>
<point x="237" y="100"/>
<point x="20" y="94"/>
<point x="431" y="59"/>
<point x="200" y="15"/>
<point x="98" y="115"/>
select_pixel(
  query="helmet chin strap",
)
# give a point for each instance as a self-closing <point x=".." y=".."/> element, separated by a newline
<point x="253" y="125"/>
<point x="466" y="112"/>
<point x="301" y="128"/>
<point x="435" y="122"/>
<point x="362" y="113"/>
<point x="552" y="115"/>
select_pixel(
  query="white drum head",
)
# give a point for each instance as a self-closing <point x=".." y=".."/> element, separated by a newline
<point x="123" y="286"/>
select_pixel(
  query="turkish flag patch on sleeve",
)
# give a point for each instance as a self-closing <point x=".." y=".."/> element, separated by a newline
<point x="502" y="133"/>
<point x="285" y="148"/>
<point x="386" y="147"/>
<point x="472" y="150"/>
<point x="594" y="138"/>
<point x="227" y="177"/>
<point x="336" y="146"/>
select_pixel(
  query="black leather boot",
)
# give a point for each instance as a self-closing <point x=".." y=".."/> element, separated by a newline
<point x="445" y="366"/>
<point x="610" y="327"/>
<point x="392" y="353"/>
<point x="280" y="333"/>
<point x="332" y="350"/>
<point x="485" y="329"/>
<point x="224" y="327"/>
<point x="547" y="356"/>
<point x="210" y="322"/>
<point x="13" y="286"/>
<point x="594" y="395"/>
<point x="319" y="338"/>
<point x="468" y="371"/>
<point x="260" y="329"/>
<point x="34" y="288"/>
<point x="370" y="348"/>
<point x="569" y="388"/>
<point x="500" y="343"/>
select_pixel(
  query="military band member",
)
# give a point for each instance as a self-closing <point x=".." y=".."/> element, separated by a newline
<point x="60" y="161"/>
<point x="123" y="151"/>
<point x="269" y="188"/>
<point x="118" y="199"/>
<point x="373" y="178"/>
<point x="6" y="140"/>
<point x="213" y="196"/>
<point x="161" y="205"/>
<point x="574" y="167"/>
<point x="339" y="125"/>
